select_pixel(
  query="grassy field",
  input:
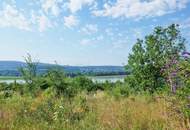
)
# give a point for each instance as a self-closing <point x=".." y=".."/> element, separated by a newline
<point x="98" y="111"/>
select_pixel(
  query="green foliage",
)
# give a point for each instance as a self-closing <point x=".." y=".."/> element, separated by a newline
<point x="83" y="83"/>
<point x="86" y="84"/>
<point x="183" y="92"/>
<point x="56" y="79"/>
<point x="184" y="72"/>
<point x="29" y="72"/>
<point x="149" y="56"/>
<point x="56" y="101"/>
<point x="77" y="109"/>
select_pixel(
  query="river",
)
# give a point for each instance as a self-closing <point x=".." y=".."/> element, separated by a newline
<point x="99" y="79"/>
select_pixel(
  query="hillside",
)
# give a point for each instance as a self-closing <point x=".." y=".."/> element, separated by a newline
<point x="10" y="68"/>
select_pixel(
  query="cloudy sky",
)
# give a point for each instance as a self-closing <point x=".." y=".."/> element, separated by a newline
<point x="83" y="32"/>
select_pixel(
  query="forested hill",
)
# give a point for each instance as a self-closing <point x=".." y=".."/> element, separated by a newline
<point x="10" y="68"/>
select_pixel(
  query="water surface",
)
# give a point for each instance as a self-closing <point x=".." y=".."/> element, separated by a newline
<point x="99" y="79"/>
<point x="110" y="78"/>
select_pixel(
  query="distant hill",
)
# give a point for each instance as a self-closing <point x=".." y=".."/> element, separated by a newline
<point x="10" y="68"/>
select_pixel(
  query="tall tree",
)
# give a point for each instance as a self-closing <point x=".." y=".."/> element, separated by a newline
<point x="150" y="55"/>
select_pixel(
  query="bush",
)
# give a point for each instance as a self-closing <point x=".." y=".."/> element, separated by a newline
<point x="57" y="80"/>
<point x="83" y="83"/>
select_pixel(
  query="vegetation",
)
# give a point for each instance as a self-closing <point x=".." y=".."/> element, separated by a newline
<point x="155" y="96"/>
<point x="151" y="55"/>
<point x="9" y="78"/>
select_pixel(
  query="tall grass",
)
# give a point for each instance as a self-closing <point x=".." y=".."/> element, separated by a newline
<point x="98" y="111"/>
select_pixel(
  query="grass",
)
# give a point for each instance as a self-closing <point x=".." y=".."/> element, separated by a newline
<point x="98" y="111"/>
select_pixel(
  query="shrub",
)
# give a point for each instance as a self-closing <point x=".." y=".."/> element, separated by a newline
<point x="83" y="83"/>
<point x="56" y="79"/>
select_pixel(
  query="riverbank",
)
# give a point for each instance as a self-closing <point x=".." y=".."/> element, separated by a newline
<point x="99" y="79"/>
<point x="10" y="78"/>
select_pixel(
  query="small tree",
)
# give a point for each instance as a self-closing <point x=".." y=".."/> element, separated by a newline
<point x="29" y="72"/>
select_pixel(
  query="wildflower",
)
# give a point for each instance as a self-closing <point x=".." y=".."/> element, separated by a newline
<point x="186" y="53"/>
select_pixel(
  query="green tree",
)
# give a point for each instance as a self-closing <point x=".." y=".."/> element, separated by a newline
<point x="29" y="72"/>
<point x="150" y="55"/>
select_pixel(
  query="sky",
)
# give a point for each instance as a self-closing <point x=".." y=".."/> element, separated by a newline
<point x="84" y="32"/>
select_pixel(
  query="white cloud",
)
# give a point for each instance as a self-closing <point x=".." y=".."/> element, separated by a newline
<point x="99" y="38"/>
<point x="92" y="41"/>
<point x="11" y="17"/>
<point x="86" y="42"/>
<point x="51" y="6"/>
<point x="75" y="5"/>
<point x="13" y="2"/>
<point x="120" y="44"/>
<point x="44" y="23"/>
<point x="94" y="6"/>
<point x="41" y="21"/>
<point x="70" y="21"/>
<point x="140" y="8"/>
<point x="90" y="29"/>
<point x="109" y="32"/>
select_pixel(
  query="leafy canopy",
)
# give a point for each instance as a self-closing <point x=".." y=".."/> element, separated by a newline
<point x="150" y="55"/>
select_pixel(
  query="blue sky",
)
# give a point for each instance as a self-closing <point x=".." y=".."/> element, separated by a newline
<point x="83" y="32"/>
